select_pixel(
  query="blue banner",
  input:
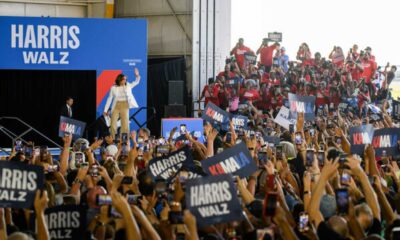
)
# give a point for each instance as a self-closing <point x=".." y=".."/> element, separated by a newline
<point x="213" y="200"/>
<point x="166" y="167"/>
<point x="359" y="137"/>
<point x="19" y="184"/>
<point x="216" y="116"/>
<point x="386" y="140"/>
<point x="192" y="125"/>
<point x="71" y="126"/>
<point x="302" y="104"/>
<point x="235" y="160"/>
<point x="109" y="46"/>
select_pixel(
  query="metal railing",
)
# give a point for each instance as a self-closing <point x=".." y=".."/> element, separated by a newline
<point x="14" y="136"/>
<point x="149" y="118"/>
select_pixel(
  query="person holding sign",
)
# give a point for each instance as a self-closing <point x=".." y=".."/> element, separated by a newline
<point x="266" y="53"/>
<point x="122" y="100"/>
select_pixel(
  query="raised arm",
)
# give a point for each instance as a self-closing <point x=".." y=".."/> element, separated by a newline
<point x="40" y="206"/>
<point x="137" y="80"/>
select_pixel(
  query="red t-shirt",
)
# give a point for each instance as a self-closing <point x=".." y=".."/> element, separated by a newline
<point x="266" y="55"/>
<point x="211" y="94"/>
<point x="369" y="68"/>
<point x="239" y="54"/>
<point x="251" y="95"/>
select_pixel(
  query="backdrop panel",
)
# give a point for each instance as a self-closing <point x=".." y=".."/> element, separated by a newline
<point x="108" y="46"/>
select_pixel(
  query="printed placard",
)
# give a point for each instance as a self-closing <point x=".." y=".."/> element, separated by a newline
<point x="302" y="104"/>
<point x="385" y="139"/>
<point x="235" y="160"/>
<point x="166" y="167"/>
<point x="71" y="126"/>
<point x="66" y="221"/>
<point x="359" y="137"/>
<point x="192" y="125"/>
<point x="275" y="36"/>
<point x="18" y="184"/>
<point x="272" y="139"/>
<point x="216" y="116"/>
<point x="213" y="199"/>
<point x="283" y="118"/>
<point x="239" y="122"/>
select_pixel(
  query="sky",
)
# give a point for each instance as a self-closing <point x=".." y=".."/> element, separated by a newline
<point x="322" y="24"/>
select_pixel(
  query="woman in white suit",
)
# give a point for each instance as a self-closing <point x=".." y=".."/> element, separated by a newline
<point x="122" y="100"/>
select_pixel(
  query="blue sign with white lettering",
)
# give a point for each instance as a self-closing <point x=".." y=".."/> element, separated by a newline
<point x="109" y="46"/>
<point x="192" y="125"/>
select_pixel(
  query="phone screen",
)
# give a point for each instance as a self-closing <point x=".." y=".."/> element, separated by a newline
<point x="342" y="200"/>
<point x="228" y="137"/>
<point x="309" y="157"/>
<point x="291" y="128"/>
<point x="345" y="179"/>
<point x="298" y="138"/>
<point x="262" y="158"/>
<point x="183" y="128"/>
<point x="303" y="222"/>
<point x="103" y="199"/>
<point x="279" y="152"/>
<point x="321" y="158"/>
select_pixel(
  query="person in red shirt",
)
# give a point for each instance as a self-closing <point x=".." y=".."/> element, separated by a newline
<point x="304" y="54"/>
<point x="227" y="73"/>
<point x="363" y="99"/>
<point x="355" y="68"/>
<point x="210" y="92"/>
<point x="369" y="67"/>
<point x="266" y="53"/>
<point x="353" y="53"/>
<point x="322" y="95"/>
<point x="239" y="50"/>
<point x="337" y="56"/>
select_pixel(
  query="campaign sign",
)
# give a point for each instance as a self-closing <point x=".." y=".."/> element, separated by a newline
<point x="359" y="137"/>
<point x="275" y="36"/>
<point x="215" y="115"/>
<point x="166" y="167"/>
<point x="235" y="160"/>
<point x="396" y="109"/>
<point x="272" y="139"/>
<point x="213" y="199"/>
<point x="193" y="125"/>
<point x="302" y="104"/>
<point x="71" y="126"/>
<point x="385" y="139"/>
<point x="18" y="184"/>
<point x="283" y="118"/>
<point x="238" y="121"/>
<point x="250" y="58"/>
<point x="66" y="221"/>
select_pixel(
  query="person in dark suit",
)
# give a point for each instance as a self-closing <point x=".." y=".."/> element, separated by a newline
<point x="66" y="110"/>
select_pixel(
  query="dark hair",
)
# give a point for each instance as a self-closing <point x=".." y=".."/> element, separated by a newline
<point x="119" y="79"/>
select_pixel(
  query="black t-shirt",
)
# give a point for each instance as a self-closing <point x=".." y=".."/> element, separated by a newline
<point x="326" y="233"/>
<point x="375" y="228"/>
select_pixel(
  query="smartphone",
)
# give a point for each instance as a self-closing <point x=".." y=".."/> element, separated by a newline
<point x="270" y="204"/>
<point x="140" y="140"/>
<point x="279" y="150"/>
<point x="103" y="199"/>
<point x="303" y="222"/>
<point x="345" y="179"/>
<point x="133" y="199"/>
<point x="183" y="176"/>
<point x="124" y="138"/>
<point x="228" y="137"/>
<point x="291" y="128"/>
<point x="338" y="140"/>
<point x="385" y="168"/>
<point x="309" y="157"/>
<point x="298" y="139"/>
<point x="342" y="200"/>
<point x="262" y="158"/>
<point x="175" y="217"/>
<point x="94" y="171"/>
<point x="79" y="158"/>
<point x="183" y="129"/>
<point x="53" y="168"/>
<point x="321" y="157"/>
<point x="124" y="150"/>
<point x="342" y="160"/>
<point x="18" y="145"/>
<point x="162" y="149"/>
<point x="127" y="180"/>
<point x="29" y="151"/>
<point x="160" y="187"/>
<point x="312" y="132"/>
